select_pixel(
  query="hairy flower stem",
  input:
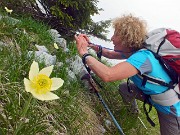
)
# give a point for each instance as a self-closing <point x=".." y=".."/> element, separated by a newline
<point x="25" y="109"/>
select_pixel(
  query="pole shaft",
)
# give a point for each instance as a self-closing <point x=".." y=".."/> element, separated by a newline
<point x="108" y="110"/>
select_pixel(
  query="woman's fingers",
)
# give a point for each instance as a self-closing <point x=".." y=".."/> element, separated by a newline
<point x="84" y="36"/>
<point x="81" y="43"/>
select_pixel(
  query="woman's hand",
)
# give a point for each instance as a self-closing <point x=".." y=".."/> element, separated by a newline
<point x="86" y="37"/>
<point x="81" y="43"/>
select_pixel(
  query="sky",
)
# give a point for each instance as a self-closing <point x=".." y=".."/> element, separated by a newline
<point x="156" y="13"/>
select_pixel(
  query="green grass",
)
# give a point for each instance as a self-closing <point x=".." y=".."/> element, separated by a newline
<point x="76" y="112"/>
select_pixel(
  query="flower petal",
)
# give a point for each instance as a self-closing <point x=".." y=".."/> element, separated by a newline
<point x="47" y="70"/>
<point x="27" y="85"/>
<point x="33" y="70"/>
<point x="56" y="46"/>
<point x="56" y="83"/>
<point x="47" y="96"/>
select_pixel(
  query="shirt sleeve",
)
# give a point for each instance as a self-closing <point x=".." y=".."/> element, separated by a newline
<point x="140" y="61"/>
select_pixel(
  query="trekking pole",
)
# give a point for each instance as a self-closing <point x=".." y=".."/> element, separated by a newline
<point x="109" y="112"/>
<point x="95" y="87"/>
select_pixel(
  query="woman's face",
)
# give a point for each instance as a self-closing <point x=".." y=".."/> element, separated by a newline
<point x="116" y="41"/>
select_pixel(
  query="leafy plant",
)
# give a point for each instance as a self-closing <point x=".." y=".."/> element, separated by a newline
<point x="66" y="16"/>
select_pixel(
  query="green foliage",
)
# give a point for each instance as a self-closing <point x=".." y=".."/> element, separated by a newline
<point x="66" y="16"/>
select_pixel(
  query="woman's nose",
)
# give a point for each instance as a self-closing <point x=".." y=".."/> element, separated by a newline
<point x="112" y="38"/>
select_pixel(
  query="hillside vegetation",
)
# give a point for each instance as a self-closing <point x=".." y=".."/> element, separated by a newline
<point x="76" y="112"/>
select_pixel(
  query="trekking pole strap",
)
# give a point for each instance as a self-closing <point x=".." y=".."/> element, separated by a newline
<point x="84" y="61"/>
<point x="93" y="80"/>
<point x="84" y="57"/>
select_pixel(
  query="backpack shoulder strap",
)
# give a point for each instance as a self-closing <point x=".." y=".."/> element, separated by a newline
<point x="160" y="46"/>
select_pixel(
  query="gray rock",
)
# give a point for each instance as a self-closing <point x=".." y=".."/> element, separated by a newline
<point x="41" y="48"/>
<point x="43" y="57"/>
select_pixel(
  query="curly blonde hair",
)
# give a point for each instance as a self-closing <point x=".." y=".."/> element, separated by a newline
<point x="131" y="31"/>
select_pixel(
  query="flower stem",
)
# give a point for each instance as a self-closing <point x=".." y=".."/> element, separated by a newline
<point x="25" y="109"/>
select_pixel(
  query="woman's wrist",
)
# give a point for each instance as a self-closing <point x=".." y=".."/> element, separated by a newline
<point x="82" y="53"/>
<point x="99" y="52"/>
<point x="95" y="48"/>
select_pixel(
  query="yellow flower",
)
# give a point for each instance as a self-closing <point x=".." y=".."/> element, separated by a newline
<point x="39" y="83"/>
<point x="8" y="10"/>
<point x="56" y="46"/>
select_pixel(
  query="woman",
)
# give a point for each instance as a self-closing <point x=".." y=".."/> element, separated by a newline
<point x="129" y="34"/>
